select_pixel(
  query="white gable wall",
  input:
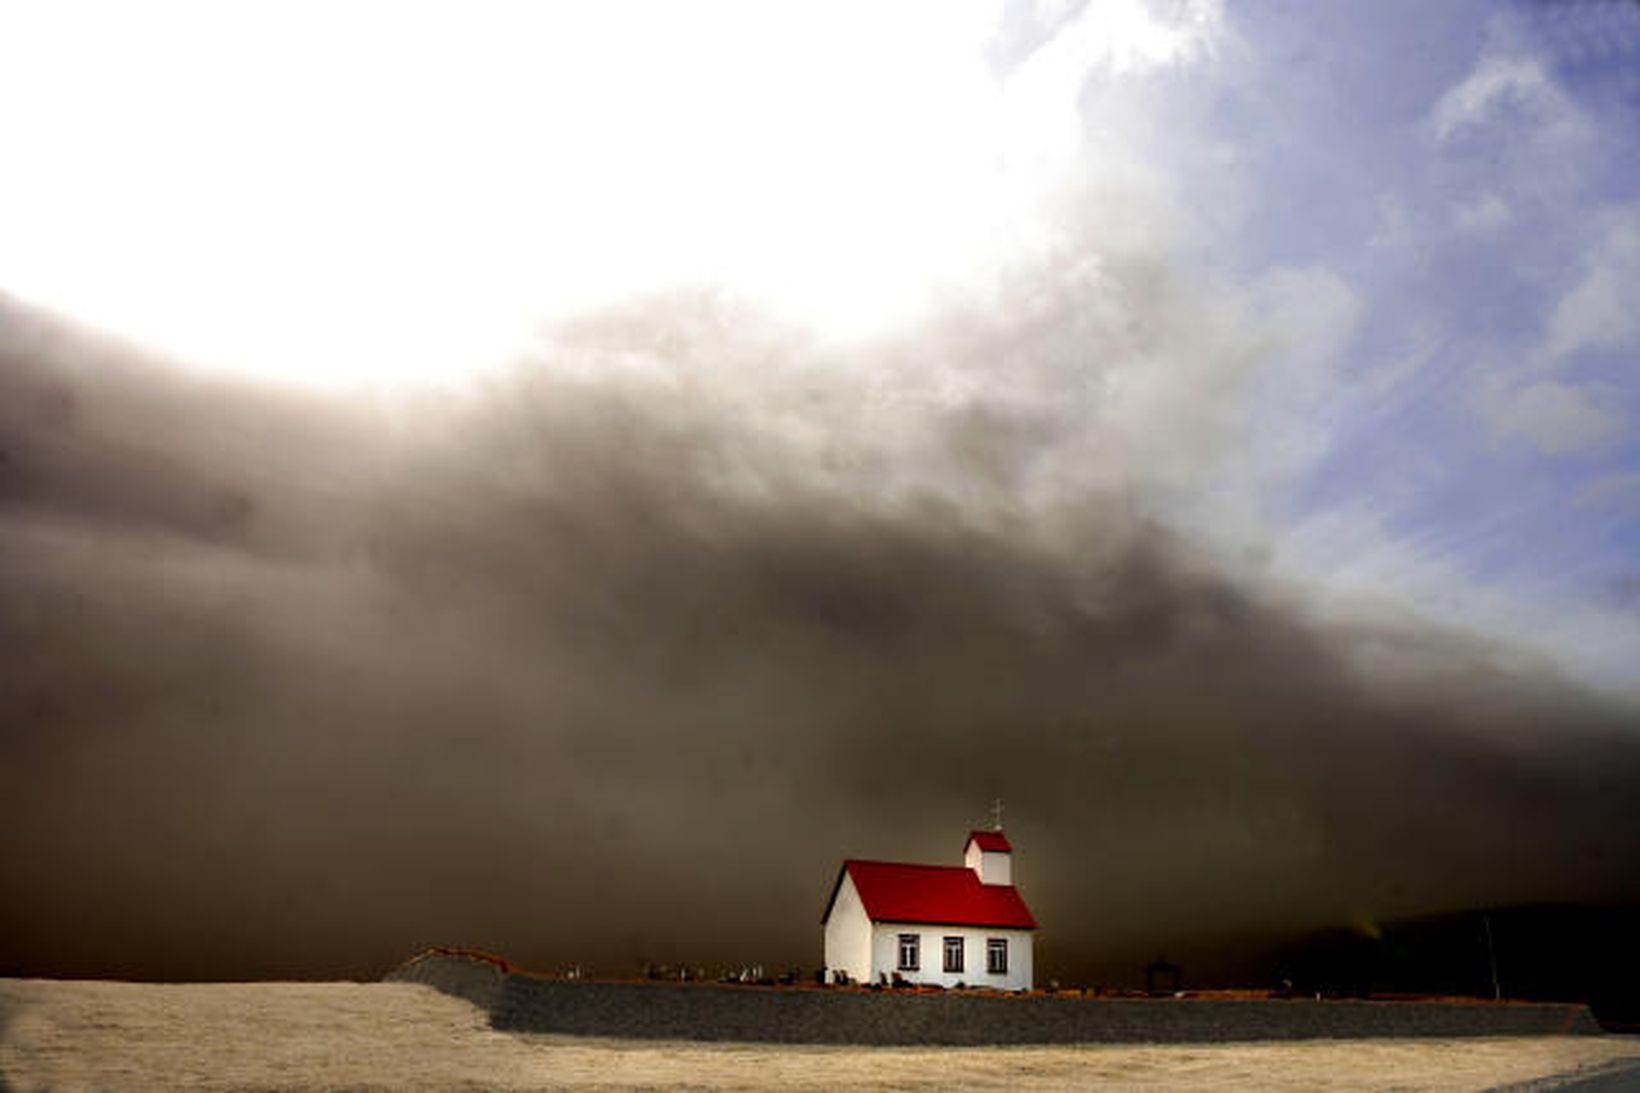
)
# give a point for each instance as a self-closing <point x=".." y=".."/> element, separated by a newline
<point x="885" y="955"/>
<point x="848" y="935"/>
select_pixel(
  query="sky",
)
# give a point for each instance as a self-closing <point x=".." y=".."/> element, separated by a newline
<point x="559" y="478"/>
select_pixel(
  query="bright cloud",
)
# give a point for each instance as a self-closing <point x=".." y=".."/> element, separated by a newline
<point x="385" y="190"/>
<point x="1486" y="213"/>
<point x="1507" y="90"/>
<point x="1556" y="418"/>
<point x="1602" y="310"/>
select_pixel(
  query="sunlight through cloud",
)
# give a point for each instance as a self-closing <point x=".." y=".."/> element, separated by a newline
<point x="384" y="192"/>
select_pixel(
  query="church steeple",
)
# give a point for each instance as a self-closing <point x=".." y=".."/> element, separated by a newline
<point x="989" y="855"/>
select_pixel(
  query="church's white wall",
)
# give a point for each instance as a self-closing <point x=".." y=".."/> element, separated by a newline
<point x="885" y="955"/>
<point x="848" y="935"/>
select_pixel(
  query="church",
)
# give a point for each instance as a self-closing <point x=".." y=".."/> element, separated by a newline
<point x="946" y="925"/>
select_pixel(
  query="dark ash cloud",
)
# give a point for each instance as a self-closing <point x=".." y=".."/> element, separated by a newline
<point x="614" y="660"/>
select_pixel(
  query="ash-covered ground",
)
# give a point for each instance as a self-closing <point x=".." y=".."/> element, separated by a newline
<point x="104" y="1035"/>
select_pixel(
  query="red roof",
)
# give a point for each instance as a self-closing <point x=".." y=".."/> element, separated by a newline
<point x="936" y="895"/>
<point x="989" y="840"/>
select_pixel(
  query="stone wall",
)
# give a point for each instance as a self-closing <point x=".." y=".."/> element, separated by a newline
<point x="680" y="1011"/>
<point x="477" y="977"/>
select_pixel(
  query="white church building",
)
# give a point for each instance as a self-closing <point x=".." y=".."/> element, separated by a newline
<point x="932" y="924"/>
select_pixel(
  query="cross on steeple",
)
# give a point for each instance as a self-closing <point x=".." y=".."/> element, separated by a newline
<point x="996" y="814"/>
